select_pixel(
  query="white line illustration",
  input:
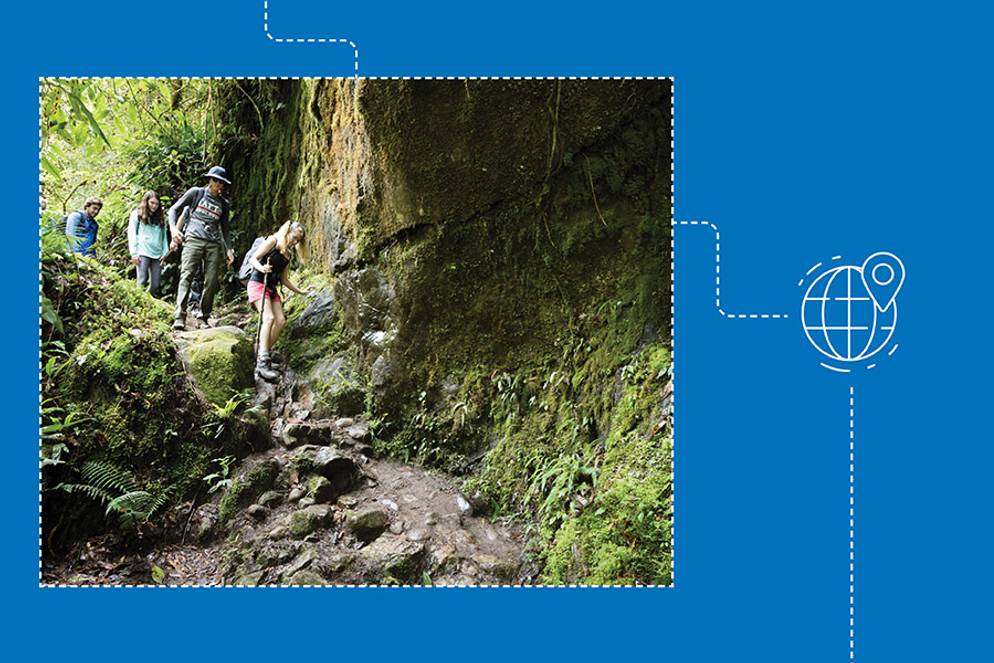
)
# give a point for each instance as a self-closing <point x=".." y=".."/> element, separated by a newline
<point x="849" y="312"/>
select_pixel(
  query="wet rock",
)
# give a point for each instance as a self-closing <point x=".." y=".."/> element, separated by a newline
<point x="381" y="371"/>
<point x="336" y="387"/>
<point x="320" y="489"/>
<point x="274" y="554"/>
<point x="503" y="570"/>
<point x="270" y="499"/>
<point x="367" y="524"/>
<point x="359" y="432"/>
<point x="306" y="502"/>
<point x="344" y="422"/>
<point x="301" y="561"/>
<point x="330" y="463"/>
<point x="257" y="512"/>
<point x="465" y="508"/>
<point x="310" y="519"/>
<point x="393" y="557"/>
<point x="297" y="434"/>
<point x="296" y="493"/>
<point x="317" y="317"/>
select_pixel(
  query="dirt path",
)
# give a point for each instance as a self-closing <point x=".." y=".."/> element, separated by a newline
<point x="315" y="509"/>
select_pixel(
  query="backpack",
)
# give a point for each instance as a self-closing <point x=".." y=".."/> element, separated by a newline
<point x="245" y="271"/>
<point x="201" y="194"/>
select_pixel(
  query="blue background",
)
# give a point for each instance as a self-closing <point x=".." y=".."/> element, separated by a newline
<point x="803" y="132"/>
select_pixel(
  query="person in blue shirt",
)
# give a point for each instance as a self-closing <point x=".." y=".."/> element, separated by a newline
<point x="81" y="227"/>
<point x="148" y="241"/>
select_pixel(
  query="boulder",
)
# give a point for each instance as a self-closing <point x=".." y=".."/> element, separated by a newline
<point x="247" y="487"/>
<point x="367" y="524"/>
<point x="220" y="361"/>
<point x="270" y="499"/>
<point x="297" y="434"/>
<point x="318" y="317"/>
<point x="393" y="557"/>
<point x="321" y="489"/>
<point x="332" y="464"/>
<point x="309" y="520"/>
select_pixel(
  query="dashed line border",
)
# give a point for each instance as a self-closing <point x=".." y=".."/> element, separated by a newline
<point x="717" y="278"/>
<point x="308" y="40"/>
<point x="852" y="523"/>
<point x="44" y="585"/>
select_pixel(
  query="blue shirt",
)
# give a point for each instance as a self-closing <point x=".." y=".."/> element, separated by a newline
<point x="82" y="231"/>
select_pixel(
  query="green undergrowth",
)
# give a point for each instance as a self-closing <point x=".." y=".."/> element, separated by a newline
<point x="114" y="388"/>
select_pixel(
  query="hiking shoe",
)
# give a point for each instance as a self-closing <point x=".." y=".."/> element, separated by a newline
<point x="266" y="373"/>
<point x="179" y="324"/>
<point x="204" y="322"/>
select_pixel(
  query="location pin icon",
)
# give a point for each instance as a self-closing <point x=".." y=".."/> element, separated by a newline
<point x="883" y="276"/>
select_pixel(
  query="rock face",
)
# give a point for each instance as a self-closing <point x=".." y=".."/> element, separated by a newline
<point x="219" y="360"/>
<point x="496" y="257"/>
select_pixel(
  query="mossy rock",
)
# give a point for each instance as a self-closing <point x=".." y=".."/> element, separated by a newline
<point x="248" y="487"/>
<point x="310" y="519"/>
<point x="368" y="524"/>
<point x="220" y="360"/>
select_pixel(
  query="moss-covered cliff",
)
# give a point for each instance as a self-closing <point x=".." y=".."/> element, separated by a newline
<point x="498" y="256"/>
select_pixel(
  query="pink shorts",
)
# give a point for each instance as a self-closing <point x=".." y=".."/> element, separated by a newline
<point x="255" y="292"/>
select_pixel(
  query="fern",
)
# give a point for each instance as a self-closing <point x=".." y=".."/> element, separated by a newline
<point x="108" y="477"/>
<point x="119" y="490"/>
<point x="137" y="506"/>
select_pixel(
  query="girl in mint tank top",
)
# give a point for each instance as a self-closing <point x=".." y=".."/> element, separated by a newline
<point x="148" y="241"/>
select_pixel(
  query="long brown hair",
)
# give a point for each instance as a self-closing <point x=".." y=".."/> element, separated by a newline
<point x="155" y="217"/>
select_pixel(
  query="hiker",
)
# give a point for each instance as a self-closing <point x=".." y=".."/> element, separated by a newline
<point x="81" y="227"/>
<point x="147" y="241"/>
<point x="204" y="237"/>
<point x="269" y="268"/>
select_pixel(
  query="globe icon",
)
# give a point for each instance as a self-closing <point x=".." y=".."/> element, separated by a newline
<point x="842" y="320"/>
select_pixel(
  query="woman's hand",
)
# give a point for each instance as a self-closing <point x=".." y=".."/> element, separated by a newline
<point x="265" y="269"/>
<point x="135" y="260"/>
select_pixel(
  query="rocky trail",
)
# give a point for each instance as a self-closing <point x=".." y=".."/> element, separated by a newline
<point x="317" y="508"/>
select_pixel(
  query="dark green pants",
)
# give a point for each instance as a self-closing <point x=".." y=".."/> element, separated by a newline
<point x="212" y="255"/>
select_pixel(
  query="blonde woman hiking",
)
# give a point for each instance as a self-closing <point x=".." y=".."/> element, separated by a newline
<point x="270" y="264"/>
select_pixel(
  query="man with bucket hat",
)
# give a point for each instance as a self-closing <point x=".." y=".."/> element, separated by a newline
<point x="198" y="222"/>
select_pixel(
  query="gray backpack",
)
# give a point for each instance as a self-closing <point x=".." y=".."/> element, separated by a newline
<point x="245" y="271"/>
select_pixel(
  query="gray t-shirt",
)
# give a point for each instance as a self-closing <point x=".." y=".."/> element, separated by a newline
<point x="208" y="219"/>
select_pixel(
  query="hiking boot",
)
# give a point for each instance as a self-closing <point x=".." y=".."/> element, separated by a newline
<point x="263" y="370"/>
<point x="204" y="322"/>
<point x="179" y="324"/>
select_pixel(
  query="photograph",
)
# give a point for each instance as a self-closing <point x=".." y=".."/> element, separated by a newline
<point x="356" y="331"/>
